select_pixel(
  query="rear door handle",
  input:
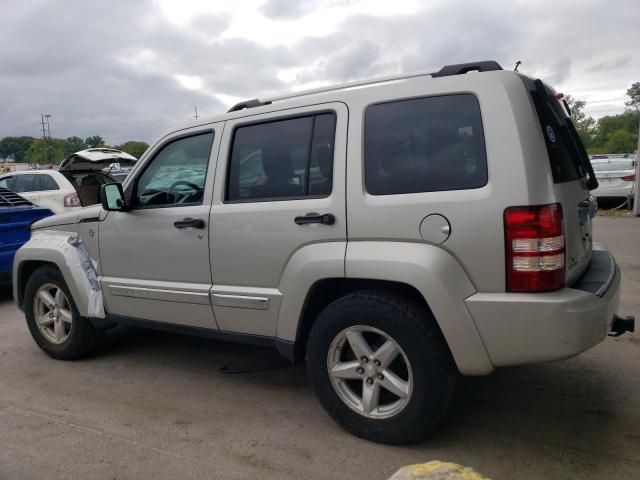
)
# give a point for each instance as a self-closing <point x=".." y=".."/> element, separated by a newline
<point x="190" y="223"/>
<point x="324" y="219"/>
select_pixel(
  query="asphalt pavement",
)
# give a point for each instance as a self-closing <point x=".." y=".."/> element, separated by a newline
<point x="159" y="406"/>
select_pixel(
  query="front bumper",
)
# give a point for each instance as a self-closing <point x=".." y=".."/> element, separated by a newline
<point x="520" y="328"/>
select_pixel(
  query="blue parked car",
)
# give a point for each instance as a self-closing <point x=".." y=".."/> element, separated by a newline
<point x="16" y="217"/>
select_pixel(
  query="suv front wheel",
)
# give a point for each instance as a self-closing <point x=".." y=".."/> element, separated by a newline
<point x="380" y="366"/>
<point x="53" y="319"/>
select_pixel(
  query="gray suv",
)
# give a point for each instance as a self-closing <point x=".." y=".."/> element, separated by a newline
<point x="393" y="233"/>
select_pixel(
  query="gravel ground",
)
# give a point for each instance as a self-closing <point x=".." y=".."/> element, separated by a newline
<point x="157" y="406"/>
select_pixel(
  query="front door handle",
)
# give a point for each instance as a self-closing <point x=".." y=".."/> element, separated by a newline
<point x="190" y="223"/>
<point x="324" y="219"/>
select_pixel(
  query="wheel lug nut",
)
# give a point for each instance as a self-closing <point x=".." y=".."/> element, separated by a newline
<point x="365" y="359"/>
<point x="369" y="380"/>
<point x="376" y="363"/>
<point x="360" y="370"/>
<point x="380" y="376"/>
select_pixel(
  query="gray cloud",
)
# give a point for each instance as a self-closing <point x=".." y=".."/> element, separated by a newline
<point x="109" y="68"/>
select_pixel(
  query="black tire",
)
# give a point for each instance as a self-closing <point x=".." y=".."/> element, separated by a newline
<point x="83" y="338"/>
<point x="414" y="329"/>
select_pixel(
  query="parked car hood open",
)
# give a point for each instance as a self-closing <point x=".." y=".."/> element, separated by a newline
<point x="97" y="159"/>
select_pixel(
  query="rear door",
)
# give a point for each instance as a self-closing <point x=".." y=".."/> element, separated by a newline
<point x="572" y="175"/>
<point x="280" y="187"/>
<point x="48" y="192"/>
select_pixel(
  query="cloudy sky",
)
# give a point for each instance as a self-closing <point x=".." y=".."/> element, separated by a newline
<point x="130" y="69"/>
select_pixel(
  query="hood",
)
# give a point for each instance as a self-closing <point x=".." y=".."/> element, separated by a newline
<point x="70" y="218"/>
<point x="97" y="159"/>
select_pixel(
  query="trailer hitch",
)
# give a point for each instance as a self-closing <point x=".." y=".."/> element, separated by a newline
<point x="622" y="325"/>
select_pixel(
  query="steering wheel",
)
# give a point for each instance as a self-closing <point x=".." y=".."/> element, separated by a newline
<point x="174" y="185"/>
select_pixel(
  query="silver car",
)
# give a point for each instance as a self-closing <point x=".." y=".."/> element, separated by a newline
<point x="392" y="233"/>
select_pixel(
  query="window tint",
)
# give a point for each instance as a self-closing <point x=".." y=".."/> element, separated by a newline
<point x="23" y="183"/>
<point x="176" y="175"/>
<point x="45" y="182"/>
<point x="567" y="155"/>
<point x="6" y="182"/>
<point x="282" y="159"/>
<point x="424" y="145"/>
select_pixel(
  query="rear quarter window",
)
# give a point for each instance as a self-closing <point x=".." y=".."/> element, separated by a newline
<point x="424" y="145"/>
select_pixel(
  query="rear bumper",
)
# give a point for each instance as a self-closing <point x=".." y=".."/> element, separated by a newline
<point x="621" y="192"/>
<point x="520" y="328"/>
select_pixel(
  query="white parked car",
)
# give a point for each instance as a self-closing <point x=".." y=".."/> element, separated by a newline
<point x="76" y="184"/>
<point x="616" y="176"/>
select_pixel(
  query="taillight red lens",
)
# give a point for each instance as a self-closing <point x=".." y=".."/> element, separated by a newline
<point x="72" y="200"/>
<point x="629" y="178"/>
<point x="534" y="248"/>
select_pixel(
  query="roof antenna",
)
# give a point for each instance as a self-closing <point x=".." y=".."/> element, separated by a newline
<point x="517" y="65"/>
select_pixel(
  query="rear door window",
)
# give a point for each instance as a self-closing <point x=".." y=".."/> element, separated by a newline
<point x="424" y="145"/>
<point x="45" y="183"/>
<point x="24" y="183"/>
<point x="282" y="159"/>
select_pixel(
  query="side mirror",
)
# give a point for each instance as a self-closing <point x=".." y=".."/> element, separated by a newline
<point x="112" y="197"/>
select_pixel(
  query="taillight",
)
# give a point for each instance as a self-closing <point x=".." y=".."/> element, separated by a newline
<point x="534" y="248"/>
<point x="72" y="200"/>
<point x="629" y="178"/>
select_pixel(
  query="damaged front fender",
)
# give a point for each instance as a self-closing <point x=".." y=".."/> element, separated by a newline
<point x="66" y="251"/>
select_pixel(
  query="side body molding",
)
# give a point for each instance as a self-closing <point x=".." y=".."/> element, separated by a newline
<point x="440" y="279"/>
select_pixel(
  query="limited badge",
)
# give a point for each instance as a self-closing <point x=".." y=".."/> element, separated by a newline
<point x="551" y="134"/>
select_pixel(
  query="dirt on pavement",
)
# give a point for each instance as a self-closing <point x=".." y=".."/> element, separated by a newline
<point x="155" y="405"/>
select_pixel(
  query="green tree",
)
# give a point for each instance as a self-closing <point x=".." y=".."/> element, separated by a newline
<point x="628" y="121"/>
<point x="74" y="144"/>
<point x="133" y="147"/>
<point x="94" y="141"/>
<point x="620" y="141"/>
<point x="15" y="148"/>
<point x="633" y="105"/>
<point x="46" y="151"/>
<point x="585" y="125"/>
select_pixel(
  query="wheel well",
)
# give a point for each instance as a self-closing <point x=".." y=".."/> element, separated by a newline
<point x="26" y="270"/>
<point x="326" y="291"/>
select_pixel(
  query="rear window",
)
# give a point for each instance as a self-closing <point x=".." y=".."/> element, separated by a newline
<point x="567" y="155"/>
<point x="424" y="145"/>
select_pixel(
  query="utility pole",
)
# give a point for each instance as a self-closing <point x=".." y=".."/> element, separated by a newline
<point x="636" y="182"/>
<point x="46" y="134"/>
<point x="196" y="110"/>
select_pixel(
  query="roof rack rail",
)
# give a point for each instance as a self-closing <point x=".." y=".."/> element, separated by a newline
<point x="448" y="70"/>
<point x="462" y="68"/>
<point x="248" y="104"/>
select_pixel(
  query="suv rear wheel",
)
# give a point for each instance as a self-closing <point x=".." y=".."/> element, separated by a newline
<point x="53" y="319"/>
<point x="380" y="366"/>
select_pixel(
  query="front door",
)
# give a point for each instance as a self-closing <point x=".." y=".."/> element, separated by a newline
<point x="279" y="193"/>
<point x="155" y="257"/>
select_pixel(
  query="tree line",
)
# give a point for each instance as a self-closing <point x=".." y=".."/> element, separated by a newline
<point x="612" y="133"/>
<point x="609" y="134"/>
<point x="27" y="149"/>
